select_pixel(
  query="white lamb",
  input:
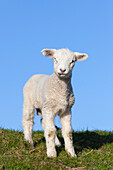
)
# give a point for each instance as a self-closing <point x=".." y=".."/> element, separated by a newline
<point x="52" y="95"/>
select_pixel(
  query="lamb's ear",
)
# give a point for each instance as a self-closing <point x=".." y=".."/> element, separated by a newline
<point x="80" y="56"/>
<point x="49" y="52"/>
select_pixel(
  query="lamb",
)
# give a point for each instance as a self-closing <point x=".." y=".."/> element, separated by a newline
<point x="52" y="95"/>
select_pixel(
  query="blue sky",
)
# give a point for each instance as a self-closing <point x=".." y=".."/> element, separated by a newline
<point x="27" y="27"/>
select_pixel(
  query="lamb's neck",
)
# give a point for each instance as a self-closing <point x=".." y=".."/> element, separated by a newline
<point x="61" y="83"/>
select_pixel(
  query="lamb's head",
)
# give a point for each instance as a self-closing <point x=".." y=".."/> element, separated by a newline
<point x="64" y="60"/>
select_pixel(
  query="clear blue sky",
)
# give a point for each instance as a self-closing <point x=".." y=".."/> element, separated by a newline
<point x="26" y="27"/>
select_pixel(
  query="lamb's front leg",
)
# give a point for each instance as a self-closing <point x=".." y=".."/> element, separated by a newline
<point x="67" y="133"/>
<point x="49" y="132"/>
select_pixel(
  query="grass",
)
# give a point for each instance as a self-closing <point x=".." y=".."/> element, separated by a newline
<point x="94" y="150"/>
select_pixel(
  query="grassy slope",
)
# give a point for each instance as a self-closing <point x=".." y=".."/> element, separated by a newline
<point x="94" y="150"/>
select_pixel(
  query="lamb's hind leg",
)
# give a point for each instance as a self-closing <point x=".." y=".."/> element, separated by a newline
<point x="27" y="122"/>
<point x="57" y="142"/>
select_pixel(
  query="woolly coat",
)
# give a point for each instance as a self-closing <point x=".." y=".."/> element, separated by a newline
<point x="49" y="92"/>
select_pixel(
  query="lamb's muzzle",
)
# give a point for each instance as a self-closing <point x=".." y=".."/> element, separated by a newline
<point x="52" y="95"/>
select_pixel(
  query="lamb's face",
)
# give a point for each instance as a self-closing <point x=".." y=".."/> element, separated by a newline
<point x="64" y="60"/>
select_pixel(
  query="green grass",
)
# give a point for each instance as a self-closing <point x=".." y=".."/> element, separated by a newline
<point x="94" y="150"/>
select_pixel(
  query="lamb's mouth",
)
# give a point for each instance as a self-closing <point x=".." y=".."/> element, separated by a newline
<point x="62" y="74"/>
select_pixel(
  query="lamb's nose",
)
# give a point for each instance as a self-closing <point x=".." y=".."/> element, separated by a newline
<point x="62" y="70"/>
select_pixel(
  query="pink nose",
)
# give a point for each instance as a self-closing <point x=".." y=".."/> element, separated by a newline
<point x="62" y="70"/>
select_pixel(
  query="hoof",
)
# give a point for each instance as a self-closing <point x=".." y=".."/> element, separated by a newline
<point x="52" y="154"/>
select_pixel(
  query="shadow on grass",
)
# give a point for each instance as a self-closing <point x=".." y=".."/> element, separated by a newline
<point x="87" y="139"/>
<point x="91" y="140"/>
